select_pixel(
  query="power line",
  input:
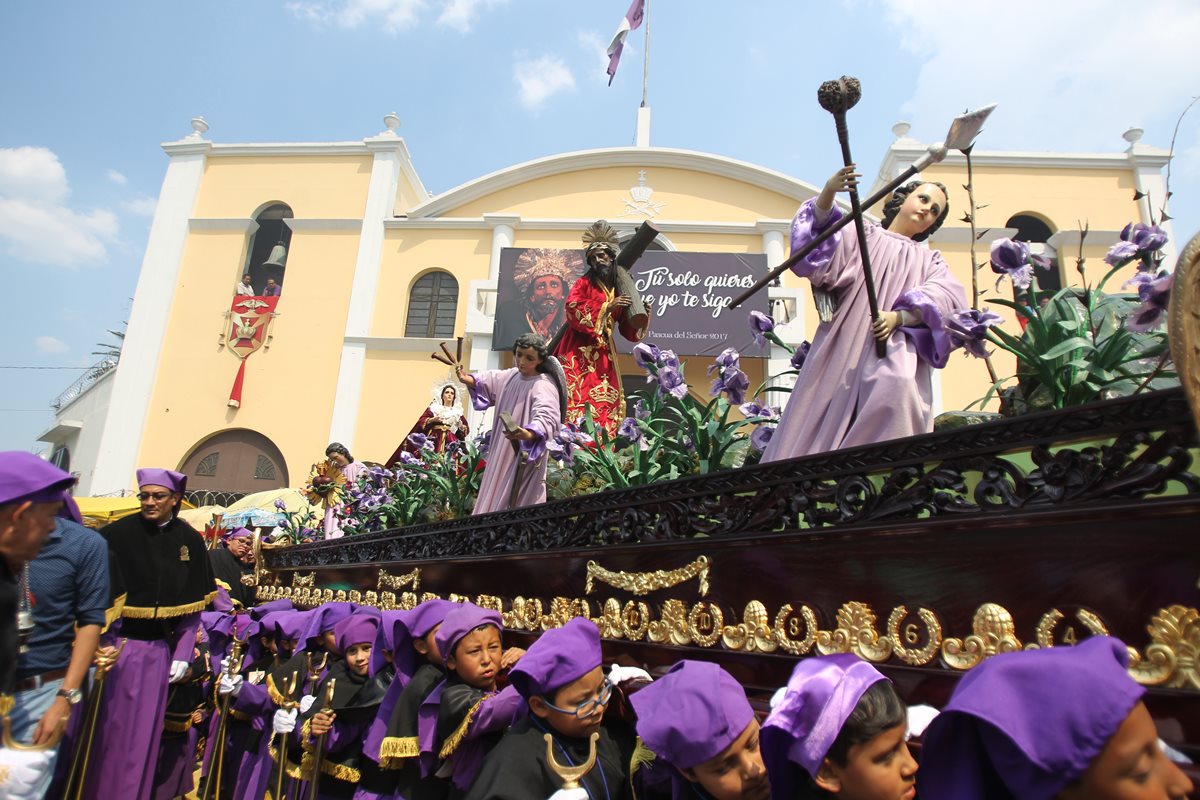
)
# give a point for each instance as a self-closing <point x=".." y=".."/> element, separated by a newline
<point x="13" y="367"/>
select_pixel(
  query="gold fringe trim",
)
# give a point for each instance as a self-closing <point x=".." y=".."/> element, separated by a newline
<point x="455" y="739"/>
<point x="273" y="692"/>
<point x="340" y="771"/>
<point x="171" y="726"/>
<point x="641" y="755"/>
<point x="395" y="750"/>
<point x="160" y="612"/>
<point x="242" y="715"/>
<point x="223" y="584"/>
<point x="301" y="771"/>
<point x="114" y="613"/>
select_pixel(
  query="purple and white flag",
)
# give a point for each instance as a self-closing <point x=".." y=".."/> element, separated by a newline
<point x="631" y="21"/>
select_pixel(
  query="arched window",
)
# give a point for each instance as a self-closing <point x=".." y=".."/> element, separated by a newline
<point x="432" y="306"/>
<point x="1034" y="231"/>
<point x="266" y="262"/>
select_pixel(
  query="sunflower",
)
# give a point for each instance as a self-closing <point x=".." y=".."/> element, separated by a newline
<point x="325" y="483"/>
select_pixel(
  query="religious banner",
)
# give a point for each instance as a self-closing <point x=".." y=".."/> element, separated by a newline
<point x="247" y="329"/>
<point x="690" y="293"/>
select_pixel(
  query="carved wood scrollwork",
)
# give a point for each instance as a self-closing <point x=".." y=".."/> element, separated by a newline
<point x="1184" y="323"/>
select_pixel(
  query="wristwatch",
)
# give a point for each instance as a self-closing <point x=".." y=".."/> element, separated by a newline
<point x="73" y="695"/>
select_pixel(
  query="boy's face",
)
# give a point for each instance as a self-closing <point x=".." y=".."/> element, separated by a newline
<point x="427" y="647"/>
<point x="1131" y="766"/>
<point x="879" y="769"/>
<point x="585" y="689"/>
<point x="268" y="642"/>
<point x="358" y="657"/>
<point x="736" y="772"/>
<point x="328" y="640"/>
<point x="289" y="645"/>
<point x="476" y="658"/>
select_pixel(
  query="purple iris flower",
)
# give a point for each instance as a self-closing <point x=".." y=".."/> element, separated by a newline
<point x="1155" y="294"/>
<point x="667" y="358"/>
<point x="733" y="382"/>
<point x="1146" y="238"/>
<point x="761" y="436"/>
<point x="639" y="409"/>
<point x="801" y="354"/>
<point x="646" y="355"/>
<point x="629" y="429"/>
<point x="279" y="504"/>
<point x="968" y="329"/>
<point x="688" y="443"/>
<point x="1121" y="254"/>
<point x="756" y="409"/>
<point x="729" y="359"/>
<point x="409" y="460"/>
<point x="1011" y="258"/>
<point x="760" y="324"/>
<point x="671" y="381"/>
<point x="417" y="440"/>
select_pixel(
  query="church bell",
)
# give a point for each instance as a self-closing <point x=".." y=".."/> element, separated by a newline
<point x="278" y="256"/>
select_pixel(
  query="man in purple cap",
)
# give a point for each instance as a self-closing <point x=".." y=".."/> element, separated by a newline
<point x="31" y="493"/>
<point x="696" y="719"/>
<point x="840" y="730"/>
<point x="1064" y="723"/>
<point x="562" y="680"/>
<point x="229" y="565"/>
<point x="167" y="580"/>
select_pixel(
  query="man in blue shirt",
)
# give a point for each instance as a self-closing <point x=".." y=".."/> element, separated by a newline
<point x="67" y="590"/>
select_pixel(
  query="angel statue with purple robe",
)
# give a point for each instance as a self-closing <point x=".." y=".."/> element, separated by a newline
<point x="532" y="394"/>
<point x="846" y="395"/>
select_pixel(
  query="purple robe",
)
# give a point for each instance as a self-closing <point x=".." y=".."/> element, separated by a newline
<point x="130" y="724"/>
<point x="846" y="395"/>
<point x="333" y="521"/>
<point x="534" y="404"/>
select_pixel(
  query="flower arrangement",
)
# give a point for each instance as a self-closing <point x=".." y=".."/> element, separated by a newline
<point x="1077" y="345"/>
<point x="325" y="484"/>
<point x="297" y="527"/>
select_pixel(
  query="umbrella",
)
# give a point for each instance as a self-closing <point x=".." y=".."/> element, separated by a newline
<point x="198" y="518"/>
<point x="99" y="511"/>
<point x="259" y="509"/>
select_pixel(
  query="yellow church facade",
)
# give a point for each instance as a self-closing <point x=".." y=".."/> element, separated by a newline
<point x="375" y="271"/>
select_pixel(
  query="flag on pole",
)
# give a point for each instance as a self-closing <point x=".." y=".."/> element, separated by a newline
<point x="631" y="21"/>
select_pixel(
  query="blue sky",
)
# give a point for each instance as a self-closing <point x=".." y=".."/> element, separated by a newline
<point x="91" y="89"/>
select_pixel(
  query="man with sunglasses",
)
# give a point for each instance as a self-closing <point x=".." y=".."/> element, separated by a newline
<point x="167" y="580"/>
<point x="561" y="678"/>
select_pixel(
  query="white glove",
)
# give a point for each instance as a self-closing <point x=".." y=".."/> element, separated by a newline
<point x="24" y="769"/>
<point x="919" y="717"/>
<point x="777" y="697"/>
<point x="570" y="794"/>
<point x="225" y="665"/>
<point x="619" y="674"/>
<point x="178" y="670"/>
<point x="284" y="720"/>
<point x="306" y="703"/>
<point x="230" y="685"/>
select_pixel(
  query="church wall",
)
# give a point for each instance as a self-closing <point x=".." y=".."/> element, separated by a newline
<point x="289" y="388"/>
<point x="600" y="193"/>
<point x="315" y="187"/>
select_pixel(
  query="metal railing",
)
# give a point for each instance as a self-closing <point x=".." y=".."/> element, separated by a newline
<point x="86" y="381"/>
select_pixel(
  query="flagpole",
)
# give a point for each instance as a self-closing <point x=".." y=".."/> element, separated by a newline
<point x="646" y="59"/>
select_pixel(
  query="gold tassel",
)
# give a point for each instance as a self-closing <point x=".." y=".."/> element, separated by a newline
<point x="160" y="612"/>
<point x="114" y="613"/>
<point x="395" y="750"/>
<point x="455" y="739"/>
<point x="273" y="692"/>
<point x="641" y="755"/>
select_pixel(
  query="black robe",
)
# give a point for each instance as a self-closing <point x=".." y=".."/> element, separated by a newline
<point x="10" y="598"/>
<point x="399" y="752"/>
<point x="165" y="574"/>
<point x="356" y="699"/>
<point x="516" y="768"/>
<point x="229" y="571"/>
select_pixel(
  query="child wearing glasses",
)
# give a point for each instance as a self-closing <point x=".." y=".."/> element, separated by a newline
<point x="465" y="716"/>
<point x="562" y="681"/>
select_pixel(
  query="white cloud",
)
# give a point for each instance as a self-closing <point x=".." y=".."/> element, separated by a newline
<point x="32" y="173"/>
<point x="541" y="78"/>
<point x="117" y="177"/>
<point x="1046" y="64"/>
<point x="460" y="14"/>
<point x="596" y="48"/>
<point x="393" y="15"/>
<point x="35" y="223"/>
<point x="143" y="206"/>
<point x="50" y="345"/>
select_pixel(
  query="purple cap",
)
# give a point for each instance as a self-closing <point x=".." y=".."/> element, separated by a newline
<point x="290" y="624"/>
<point x="222" y="602"/>
<point x="70" y="510"/>
<point x="820" y="696"/>
<point x="260" y="611"/>
<point x="559" y="656"/>
<point x="428" y="615"/>
<point x="356" y="629"/>
<point x="324" y="618"/>
<point x="1025" y="725"/>
<point x="25" y="477"/>
<point x="152" y="476"/>
<point x="415" y="624"/>
<point x="692" y="713"/>
<point x="236" y="533"/>
<point x="461" y="621"/>
<point x="391" y="627"/>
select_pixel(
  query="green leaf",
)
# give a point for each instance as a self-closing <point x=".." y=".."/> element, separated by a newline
<point x="1075" y="343"/>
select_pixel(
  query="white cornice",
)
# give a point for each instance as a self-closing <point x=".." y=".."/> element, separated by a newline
<point x="312" y="225"/>
<point x="188" y="147"/>
<point x="616" y="157"/>
<point x="962" y="235"/>
<point x="221" y="225"/>
<point x="404" y="344"/>
<point x="291" y="149"/>
<point x="1152" y="157"/>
